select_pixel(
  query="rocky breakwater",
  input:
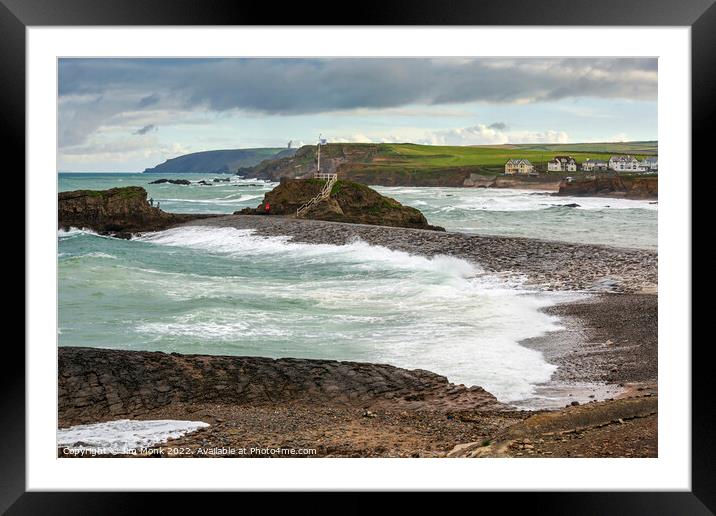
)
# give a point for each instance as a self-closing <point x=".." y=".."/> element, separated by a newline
<point x="539" y="263"/>
<point x="118" y="212"/>
<point x="348" y="202"/>
<point x="626" y="186"/>
<point x="102" y="384"/>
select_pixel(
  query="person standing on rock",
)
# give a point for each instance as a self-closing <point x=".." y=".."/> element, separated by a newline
<point x="151" y="201"/>
<point x="157" y="204"/>
<point x="267" y="208"/>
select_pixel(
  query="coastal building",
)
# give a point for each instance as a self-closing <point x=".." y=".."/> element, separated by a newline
<point x="562" y="164"/>
<point x="649" y="164"/>
<point x="624" y="163"/>
<point x="595" y="165"/>
<point x="519" y="166"/>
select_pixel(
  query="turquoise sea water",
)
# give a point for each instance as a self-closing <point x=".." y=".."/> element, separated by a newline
<point x="525" y="213"/>
<point x="228" y="291"/>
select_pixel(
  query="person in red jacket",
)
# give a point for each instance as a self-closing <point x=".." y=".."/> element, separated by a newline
<point x="267" y="208"/>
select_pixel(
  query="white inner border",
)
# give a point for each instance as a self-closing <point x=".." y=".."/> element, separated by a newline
<point x="670" y="471"/>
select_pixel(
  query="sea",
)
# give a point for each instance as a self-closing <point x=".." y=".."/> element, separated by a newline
<point x="226" y="291"/>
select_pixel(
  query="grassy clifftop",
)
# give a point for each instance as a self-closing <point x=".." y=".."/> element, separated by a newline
<point x="408" y="164"/>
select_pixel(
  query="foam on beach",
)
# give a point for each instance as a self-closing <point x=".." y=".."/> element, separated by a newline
<point x="124" y="435"/>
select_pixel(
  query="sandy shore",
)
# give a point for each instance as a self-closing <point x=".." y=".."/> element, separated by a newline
<point x="606" y="356"/>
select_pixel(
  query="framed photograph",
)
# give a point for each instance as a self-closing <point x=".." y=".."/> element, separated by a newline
<point x="424" y="252"/>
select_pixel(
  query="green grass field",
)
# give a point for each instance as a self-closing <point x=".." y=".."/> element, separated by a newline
<point x="426" y="157"/>
<point x="434" y="165"/>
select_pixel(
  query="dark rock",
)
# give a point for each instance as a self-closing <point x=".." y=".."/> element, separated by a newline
<point x="135" y="382"/>
<point x="348" y="202"/>
<point x="633" y="187"/>
<point x="172" y="181"/>
<point x="118" y="212"/>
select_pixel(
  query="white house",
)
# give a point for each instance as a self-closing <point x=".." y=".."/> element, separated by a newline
<point x="562" y="164"/>
<point x="590" y="165"/>
<point x="649" y="164"/>
<point x="518" y="166"/>
<point x="624" y="163"/>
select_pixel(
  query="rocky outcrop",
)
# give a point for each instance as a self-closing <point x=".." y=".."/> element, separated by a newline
<point x="172" y="181"/>
<point x="630" y="187"/>
<point x="118" y="212"/>
<point x="348" y="202"/>
<point x="103" y="384"/>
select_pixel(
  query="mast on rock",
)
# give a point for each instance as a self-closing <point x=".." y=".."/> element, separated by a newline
<point x="321" y="141"/>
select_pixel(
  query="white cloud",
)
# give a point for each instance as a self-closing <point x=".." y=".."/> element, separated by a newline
<point x="497" y="133"/>
<point x="494" y="134"/>
<point x="146" y="148"/>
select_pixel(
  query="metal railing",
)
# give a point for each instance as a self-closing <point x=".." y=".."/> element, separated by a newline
<point x="325" y="192"/>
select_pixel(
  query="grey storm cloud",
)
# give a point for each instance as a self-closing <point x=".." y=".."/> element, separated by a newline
<point x="146" y="129"/>
<point x="498" y="126"/>
<point x="307" y="86"/>
<point x="149" y="100"/>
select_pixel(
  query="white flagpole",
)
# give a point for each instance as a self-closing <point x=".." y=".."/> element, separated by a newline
<point x="319" y="154"/>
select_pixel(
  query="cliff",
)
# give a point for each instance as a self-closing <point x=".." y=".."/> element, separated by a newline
<point x="218" y="161"/>
<point x="367" y="163"/>
<point x="348" y="202"/>
<point x="631" y="187"/>
<point x="118" y="212"/>
<point x="407" y="164"/>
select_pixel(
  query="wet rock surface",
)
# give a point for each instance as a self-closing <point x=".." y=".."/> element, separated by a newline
<point x="542" y="264"/>
<point x="171" y="181"/>
<point x="102" y="384"/>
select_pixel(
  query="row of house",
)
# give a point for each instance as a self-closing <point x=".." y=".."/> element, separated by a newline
<point x="625" y="163"/>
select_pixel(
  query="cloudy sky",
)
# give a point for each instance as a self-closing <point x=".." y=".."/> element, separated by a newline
<point x="125" y="115"/>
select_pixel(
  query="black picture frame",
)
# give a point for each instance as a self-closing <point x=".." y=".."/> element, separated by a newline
<point x="17" y="15"/>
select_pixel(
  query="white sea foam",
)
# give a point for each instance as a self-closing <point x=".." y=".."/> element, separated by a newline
<point x="125" y="435"/>
<point x="73" y="232"/>
<point x="505" y="200"/>
<point x="364" y="303"/>
<point x="99" y="255"/>
<point x="244" y="242"/>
